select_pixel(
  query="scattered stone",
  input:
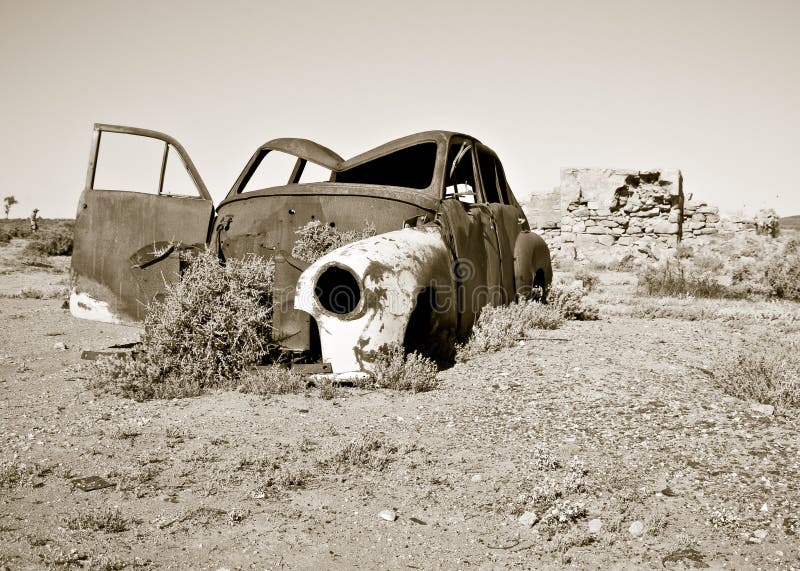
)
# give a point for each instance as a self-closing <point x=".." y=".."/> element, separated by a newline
<point x="636" y="528"/>
<point x="765" y="409"/>
<point x="595" y="525"/>
<point x="477" y="478"/>
<point x="388" y="515"/>
<point x="527" y="519"/>
<point x="60" y="346"/>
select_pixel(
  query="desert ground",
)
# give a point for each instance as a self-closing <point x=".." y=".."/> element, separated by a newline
<point x="602" y="444"/>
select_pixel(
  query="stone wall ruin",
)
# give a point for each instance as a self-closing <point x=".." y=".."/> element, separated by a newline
<point x="608" y="214"/>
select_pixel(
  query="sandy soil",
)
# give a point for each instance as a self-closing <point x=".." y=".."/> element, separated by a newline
<point x="618" y="416"/>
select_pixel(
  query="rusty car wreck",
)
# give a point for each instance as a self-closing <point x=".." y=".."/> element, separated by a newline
<point x="450" y="237"/>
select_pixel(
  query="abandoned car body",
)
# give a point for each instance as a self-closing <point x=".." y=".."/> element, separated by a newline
<point x="450" y="237"/>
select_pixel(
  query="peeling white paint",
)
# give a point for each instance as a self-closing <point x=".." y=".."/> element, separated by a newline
<point x="413" y="259"/>
<point x="86" y="307"/>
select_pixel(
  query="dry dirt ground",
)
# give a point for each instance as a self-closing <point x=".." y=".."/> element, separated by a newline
<point x="616" y="420"/>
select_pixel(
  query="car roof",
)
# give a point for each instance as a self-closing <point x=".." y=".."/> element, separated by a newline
<point x="438" y="136"/>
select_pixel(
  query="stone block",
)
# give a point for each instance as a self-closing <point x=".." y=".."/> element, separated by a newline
<point x="567" y="237"/>
<point x="596" y="230"/>
<point x="579" y="227"/>
<point x="698" y="217"/>
<point x="606" y="240"/>
<point x="665" y="227"/>
<point x="580" y="212"/>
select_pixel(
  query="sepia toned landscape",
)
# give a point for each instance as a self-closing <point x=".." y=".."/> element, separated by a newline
<point x="650" y="422"/>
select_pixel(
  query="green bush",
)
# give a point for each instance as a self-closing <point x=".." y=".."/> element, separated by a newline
<point x="211" y="325"/>
<point x="504" y="325"/>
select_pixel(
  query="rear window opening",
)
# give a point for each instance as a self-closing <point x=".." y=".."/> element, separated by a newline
<point x="411" y="167"/>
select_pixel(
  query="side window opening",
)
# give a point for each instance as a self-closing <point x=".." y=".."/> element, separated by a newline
<point x="270" y="169"/>
<point x="128" y="162"/>
<point x="494" y="182"/>
<point x="274" y="168"/>
<point x="177" y="180"/>
<point x="313" y="172"/>
<point x="460" y="175"/>
<point x="135" y="163"/>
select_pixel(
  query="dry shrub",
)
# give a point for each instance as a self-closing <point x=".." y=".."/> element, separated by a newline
<point x="674" y="278"/>
<point x="211" y="325"/>
<point x="5" y="237"/>
<point x="503" y="325"/>
<point x="316" y="239"/>
<point x="55" y="241"/>
<point x="570" y="302"/>
<point x="397" y="370"/>
<point x="765" y="370"/>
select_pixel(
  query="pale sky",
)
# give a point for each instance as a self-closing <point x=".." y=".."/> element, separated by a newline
<point x="710" y="87"/>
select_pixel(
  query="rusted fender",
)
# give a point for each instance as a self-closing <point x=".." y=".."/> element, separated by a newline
<point x="531" y="256"/>
<point x="389" y="270"/>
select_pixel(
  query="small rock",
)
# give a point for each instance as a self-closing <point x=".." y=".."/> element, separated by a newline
<point x="595" y="525"/>
<point x="765" y="409"/>
<point x="477" y="478"/>
<point x="388" y="515"/>
<point x="760" y="535"/>
<point x="764" y="508"/>
<point x="60" y="346"/>
<point x="636" y="528"/>
<point x="527" y="519"/>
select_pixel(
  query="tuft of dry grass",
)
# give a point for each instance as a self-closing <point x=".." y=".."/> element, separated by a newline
<point x="404" y="372"/>
<point x="271" y="380"/>
<point x="316" y="239"/>
<point x="503" y="325"/>
<point x="783" y="272"/>
<point x="108" y="520"/>
<point x="371" y="451"/>
<point x="15" y="475"/>
<point x="766" y="371"/>
<point x="211" y="325"/>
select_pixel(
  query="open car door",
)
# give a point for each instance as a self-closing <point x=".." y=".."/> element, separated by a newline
<point x="143" y="206"/>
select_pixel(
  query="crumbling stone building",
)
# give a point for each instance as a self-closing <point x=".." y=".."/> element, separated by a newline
<point x="608" y="214"/>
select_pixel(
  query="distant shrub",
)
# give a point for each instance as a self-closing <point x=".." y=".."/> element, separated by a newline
<point x="570" y="302"/>
<point x="56" y="241"/>
<point x="503" y="325"/>
<point x="404" y="372"/>
<point x="783" y="272"/>
<point x="5" y="237"/>
<point x="675" y="278"/>
<point x="316" y="239"/>
<point x="765" y="371"/>
<point x="588" y="278"/>
<point x="215" y="322"/>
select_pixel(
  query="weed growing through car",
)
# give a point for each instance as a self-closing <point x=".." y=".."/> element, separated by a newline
<point x="211" y="325"/>
<point x="504" y="325"/>
<point x="316" y="239"/>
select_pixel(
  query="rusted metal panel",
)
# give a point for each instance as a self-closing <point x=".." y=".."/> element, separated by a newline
<point x="422" y="285"/>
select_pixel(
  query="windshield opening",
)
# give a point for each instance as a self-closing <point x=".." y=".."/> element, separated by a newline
<point x="411" y="167"/>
